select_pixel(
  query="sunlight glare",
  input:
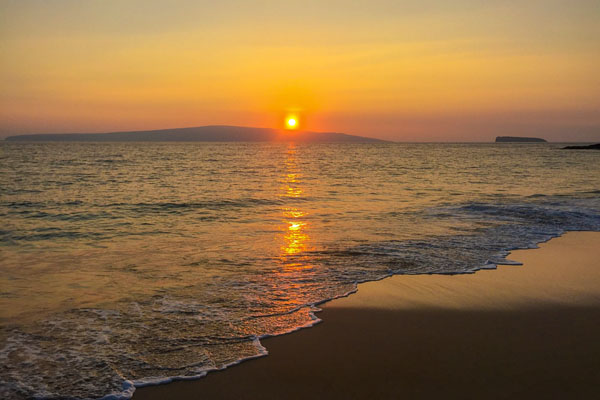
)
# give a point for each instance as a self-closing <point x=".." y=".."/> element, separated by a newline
<point x="291" y="123"/>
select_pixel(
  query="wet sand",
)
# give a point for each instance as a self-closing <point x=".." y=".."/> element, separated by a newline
<point x="530" y="331"/>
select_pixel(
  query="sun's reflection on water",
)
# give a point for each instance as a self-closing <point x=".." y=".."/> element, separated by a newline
<point x="295" y="237"/>
<point x="295" y="224"/>
<point x="294" y="270"/>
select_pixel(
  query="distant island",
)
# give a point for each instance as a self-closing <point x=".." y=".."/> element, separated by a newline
<point x="588" y="147"/>
<point x="509" y="139"/>
<point x="216" y="133"/>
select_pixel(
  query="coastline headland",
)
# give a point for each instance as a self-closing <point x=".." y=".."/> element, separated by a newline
<point x="588" y="147"/>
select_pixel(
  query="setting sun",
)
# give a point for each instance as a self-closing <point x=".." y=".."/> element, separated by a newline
<point x="291" y="123"/>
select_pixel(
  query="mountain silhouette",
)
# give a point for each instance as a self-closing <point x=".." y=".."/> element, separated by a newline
<point x="215" y="133"/>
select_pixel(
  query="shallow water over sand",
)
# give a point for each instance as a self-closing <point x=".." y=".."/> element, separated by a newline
<point x="140" y="261"/>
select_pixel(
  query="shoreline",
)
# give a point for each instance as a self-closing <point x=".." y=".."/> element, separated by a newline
<point x="426" y="310"/>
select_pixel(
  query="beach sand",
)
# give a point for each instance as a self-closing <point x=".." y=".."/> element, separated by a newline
<point x="530" y="331"/>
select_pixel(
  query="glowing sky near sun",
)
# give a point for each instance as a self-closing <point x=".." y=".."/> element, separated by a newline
<point x="402" y="70"/>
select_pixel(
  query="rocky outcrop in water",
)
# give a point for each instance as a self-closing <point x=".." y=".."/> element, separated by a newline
<point x="518" y="139"/>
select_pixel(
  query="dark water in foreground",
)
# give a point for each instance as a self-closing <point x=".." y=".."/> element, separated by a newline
<point x="136" y="262"/>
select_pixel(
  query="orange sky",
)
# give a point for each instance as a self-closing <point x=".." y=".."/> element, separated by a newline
<point x="424" y="70"/>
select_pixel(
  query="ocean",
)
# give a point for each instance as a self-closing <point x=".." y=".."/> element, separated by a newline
<point x="128" y="264"/>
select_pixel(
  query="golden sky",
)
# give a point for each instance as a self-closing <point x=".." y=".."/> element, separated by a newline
<point x="427" y="70"/>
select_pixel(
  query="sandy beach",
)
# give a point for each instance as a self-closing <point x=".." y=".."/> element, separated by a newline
<point x="527" y="331"/>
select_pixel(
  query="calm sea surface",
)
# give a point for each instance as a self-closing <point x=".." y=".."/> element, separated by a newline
<point x="125" y="264"/>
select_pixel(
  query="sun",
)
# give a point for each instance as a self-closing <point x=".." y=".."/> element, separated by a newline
<point x="291" y="122"/>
